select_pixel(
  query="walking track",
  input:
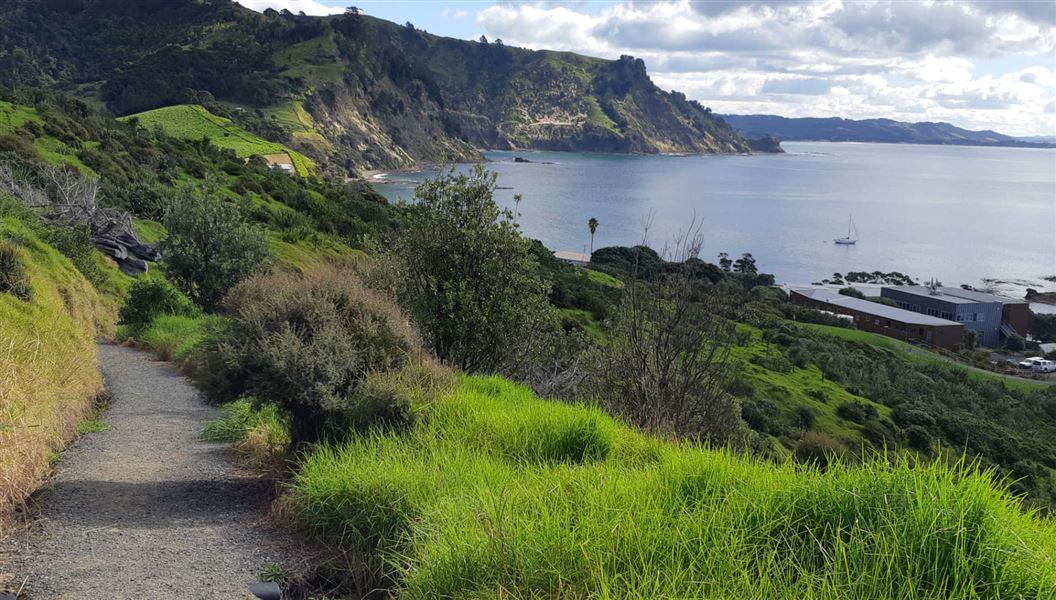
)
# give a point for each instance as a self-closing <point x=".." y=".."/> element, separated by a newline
<point x="145" y="509"/>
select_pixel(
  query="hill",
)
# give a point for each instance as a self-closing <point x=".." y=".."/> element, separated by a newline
<point x="351" y="90"/>
<point x="192" y="122"/>
<point x="834" y="129"/>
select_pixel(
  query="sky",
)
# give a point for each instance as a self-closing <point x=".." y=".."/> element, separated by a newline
<point x="982" y="64"/>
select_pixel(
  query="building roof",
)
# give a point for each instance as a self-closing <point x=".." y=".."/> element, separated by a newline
<point x="568" y="255"/>
<point x="872" y="308"/>
<point x="956" y="295"/>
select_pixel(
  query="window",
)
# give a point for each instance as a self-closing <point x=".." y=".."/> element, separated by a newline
<point x="980" y="317"/>
<point x="932" y="312"/>
<point x="887" y="323"/>
<point x="947" y="315"/>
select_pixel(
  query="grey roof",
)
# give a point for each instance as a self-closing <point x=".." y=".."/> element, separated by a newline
<point x="957" y="295"/>
<point x="872" y="308"/>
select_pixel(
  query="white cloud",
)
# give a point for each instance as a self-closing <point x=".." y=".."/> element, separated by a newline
<point x="852" y="58"/>
<point x="308" y="7"/>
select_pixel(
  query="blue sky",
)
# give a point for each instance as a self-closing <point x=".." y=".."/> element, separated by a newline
<point x="982" y="64"/>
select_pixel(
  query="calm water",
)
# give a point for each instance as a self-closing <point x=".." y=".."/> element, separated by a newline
<point x="956" y="213"/>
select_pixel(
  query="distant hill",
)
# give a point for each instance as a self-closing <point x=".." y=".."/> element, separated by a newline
<point x="835" y="129"/>
<point x="351" y="91"/>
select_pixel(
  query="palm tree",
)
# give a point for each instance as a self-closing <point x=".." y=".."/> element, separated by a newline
<point x="593" y="225"/>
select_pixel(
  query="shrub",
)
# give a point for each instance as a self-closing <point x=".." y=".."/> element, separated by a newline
<point x="75" y="243"/>
<point x="13" y="277"/>
<point x="852" y="292"/>
<point x="804" y="418"/>
<point x="859" y="412"/>
<point x="148" y="298"/>
<point x="464" y="272"/>
<point x="819" y="449"/>
<point x="918" y="438"/>
<point x="306" y="343"/>
<point x="210" y="247"/>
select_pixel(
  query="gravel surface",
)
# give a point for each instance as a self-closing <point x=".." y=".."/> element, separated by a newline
<point x="146" y="510"/>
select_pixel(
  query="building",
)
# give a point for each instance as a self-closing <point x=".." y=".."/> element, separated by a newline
<point x="580" y="259"/>
<point x="280" y="162"/>
<point x="886" y="320"/>
<point x="992" y="318"/>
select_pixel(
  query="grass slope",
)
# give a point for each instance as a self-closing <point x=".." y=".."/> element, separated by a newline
<point x="48" y="366"/>
<point x="193" y="122"/>
<point x="495" y="493"/>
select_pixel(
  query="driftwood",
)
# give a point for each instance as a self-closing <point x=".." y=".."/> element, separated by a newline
<point x="65" y="198"/>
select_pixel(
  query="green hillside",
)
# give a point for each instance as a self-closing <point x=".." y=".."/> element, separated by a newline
<point x="376" y="94"/>
<point x="192" y="122"/>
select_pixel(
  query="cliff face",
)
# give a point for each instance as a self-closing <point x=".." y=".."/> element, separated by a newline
<point x="374" y="94"/>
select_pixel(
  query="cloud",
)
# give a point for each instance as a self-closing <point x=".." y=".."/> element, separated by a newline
<point x="308" y="7"/>
<point x="860" y="58"/>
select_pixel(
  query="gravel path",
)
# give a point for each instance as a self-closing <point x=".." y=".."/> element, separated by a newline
<point x="146" y="510"/>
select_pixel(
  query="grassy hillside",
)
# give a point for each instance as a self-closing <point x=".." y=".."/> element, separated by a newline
<point x="192" y="122"/>
<point x="497" y="493"/>
<point x="48" y="363"/>
<point x="354" y="90"/>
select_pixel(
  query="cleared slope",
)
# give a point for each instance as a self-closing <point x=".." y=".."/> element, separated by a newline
<point x="193" y="122"/>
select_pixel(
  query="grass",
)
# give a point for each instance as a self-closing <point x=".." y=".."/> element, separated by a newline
<point x="48" y="363"/>
<point x="260" y="435"/>
<point x="495" y="493"/>
<point x="604" y="279"/>
<point x="169" y="337"/>
<point x="916" y="355"/>
<point x="193" y="122"/>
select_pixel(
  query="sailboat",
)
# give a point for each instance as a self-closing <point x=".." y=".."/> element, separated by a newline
<point x="848" y="240"/>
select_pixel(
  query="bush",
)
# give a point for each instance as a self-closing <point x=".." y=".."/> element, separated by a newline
<point x="819" y="449"/>
<point x="859" y="412"/>
<point x="13" y="277"/>
<point x="307" y="343"/>
<point x="852" y="292"/>
<point x="149" y="298"/>
<point x="462" y="269"/>
<point x="210" y="247"/>
<point x="804" y="418"/>
<point x="919" y="438"/>
<point x="75" y="243"/>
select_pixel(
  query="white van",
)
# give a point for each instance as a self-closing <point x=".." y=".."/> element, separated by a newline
<point x="1043" y="366"/>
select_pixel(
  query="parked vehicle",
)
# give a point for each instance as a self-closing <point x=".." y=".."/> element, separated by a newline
<point x="1044" y="366"/>
<point x="1028" y="364"/>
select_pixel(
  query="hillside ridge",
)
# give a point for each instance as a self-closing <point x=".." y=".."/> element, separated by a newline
<point x="838" y="129"/>
<point x="362" y="92"/>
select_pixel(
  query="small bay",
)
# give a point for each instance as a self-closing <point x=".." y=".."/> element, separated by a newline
<point x="957" y="213"/>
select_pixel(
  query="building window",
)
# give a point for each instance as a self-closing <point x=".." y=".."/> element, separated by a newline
<point x="980" y="317"/>
<point x="932" y="312"/>
<point x="887" y="323"/>
<point x="947" y="315"/>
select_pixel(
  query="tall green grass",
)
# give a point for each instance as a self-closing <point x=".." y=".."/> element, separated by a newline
<point x="170" y="337"/>
<point x="495" y="493"/>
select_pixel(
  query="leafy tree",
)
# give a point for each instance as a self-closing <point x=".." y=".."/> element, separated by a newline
<point x="725" y="263"/>
<point x="852" y="292"/>
<point x="592" y="224"/>
<point x="745" y="264"/>
<point x="210" y="247"/>
<point x="467" y="276"/>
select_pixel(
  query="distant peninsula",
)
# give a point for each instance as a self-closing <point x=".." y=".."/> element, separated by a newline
<point x="835" y="129"/>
